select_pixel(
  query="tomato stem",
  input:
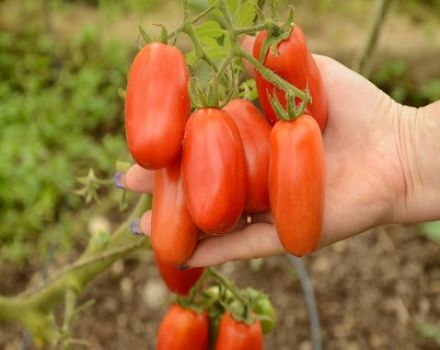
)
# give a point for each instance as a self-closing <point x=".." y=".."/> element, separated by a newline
<point x="188" y="29"/>
<point x="227" y="284"/>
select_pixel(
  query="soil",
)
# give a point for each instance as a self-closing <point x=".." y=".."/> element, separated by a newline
<point x="371" y="290"/>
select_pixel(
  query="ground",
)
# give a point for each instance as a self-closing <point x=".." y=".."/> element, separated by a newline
<point x="371" y="290"/>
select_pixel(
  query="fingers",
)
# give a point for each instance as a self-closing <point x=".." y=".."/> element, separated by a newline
<point x="137" y="179"/>
<point x="256" y="240"/>
<point x="247" y="43"/>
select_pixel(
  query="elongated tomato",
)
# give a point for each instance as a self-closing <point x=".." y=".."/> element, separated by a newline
<point x="157" y="105"/>
<point x="173" y="233"/>
<point x="296" y="183"/>
<point x="254" y="132"/>
<point x="214" y="170"/>
<point x="295" y="64"/>
<point x="235" y="335"/>
<point x="183" y="329"/>
<point x="178" y="281"/>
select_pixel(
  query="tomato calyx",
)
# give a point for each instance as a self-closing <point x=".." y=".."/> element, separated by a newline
<point x="292" y="110"/>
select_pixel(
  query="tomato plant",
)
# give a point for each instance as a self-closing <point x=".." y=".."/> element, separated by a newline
<point x="294" y="63"/>
<point x="157" y="105"/>
<point x="173" y="233"/>
<point x="214" y="170"/>
<point x="183" y="329"/>
<point x="254" y="132"/>
<point x="296" y="183"/>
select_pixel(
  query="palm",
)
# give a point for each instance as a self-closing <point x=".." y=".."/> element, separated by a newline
<point x="357" y="146"/>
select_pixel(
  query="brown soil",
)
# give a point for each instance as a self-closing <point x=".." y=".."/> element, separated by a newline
<point x="371" y="290"/>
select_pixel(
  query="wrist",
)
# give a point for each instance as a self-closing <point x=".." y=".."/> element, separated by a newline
<point x="418" y="147"/>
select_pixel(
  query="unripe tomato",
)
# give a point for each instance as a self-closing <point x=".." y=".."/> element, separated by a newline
<point x="297" y="183"/>
<point x="183" y="329"/>
<point x="178" y="281"/>
<point x="157" y="105"/>
<point x="173" y="233"/>
<point x="214" y="170"/>
<point x="254" y="132"/>
<point x="235" y="335"/>
<point x="295" y="64"/>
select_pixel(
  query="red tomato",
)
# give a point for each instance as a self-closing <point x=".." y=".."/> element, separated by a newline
<point x="235" y="335"/>
<point x="178" y="281"/>
<point x="296" y="183"/>
<point x="254" y="132"/>
<point x="173" y="233"/>
<point x="183" y="329"/>
<point x="295" y="64"/>
<point x="214" y="170"/>
<point x="157" y="105"/>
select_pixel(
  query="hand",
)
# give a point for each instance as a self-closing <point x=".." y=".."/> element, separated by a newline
<point x="365" y="180"/>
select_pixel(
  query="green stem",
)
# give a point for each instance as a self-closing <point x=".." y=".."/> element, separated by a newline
<point x="253" y="29"/>
<point x="194" y="20"/>
<point x="188" y="29"/>
<point x="69" y="311"/>
<point x="268" y="74"/>
<point x="228" y="284"/>
<point x="33" y="308"/>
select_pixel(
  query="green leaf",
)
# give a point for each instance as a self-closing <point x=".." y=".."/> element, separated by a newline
<point x="209" y="31"/>
<point x="432" y="230"/>
<point x="216" y="52"/>
<point x="190" y="57"/>
<point x="246" y="14"/>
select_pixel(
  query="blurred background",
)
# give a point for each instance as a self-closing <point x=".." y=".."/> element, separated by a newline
<point x="63" y="67"/>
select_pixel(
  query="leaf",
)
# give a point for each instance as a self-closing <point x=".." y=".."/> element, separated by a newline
<point x="216" y="52"/>
<point x="209" y="29"/>
<point x="190" y="57"/>
<point x="246" y="14"/>
<point x="432" y="230"/>
<point x="233" y="5"/>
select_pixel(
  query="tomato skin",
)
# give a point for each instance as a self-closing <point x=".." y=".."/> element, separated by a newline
<point x="254" y="132"/>
<point x="174" y="235"/>
<point x="178" y="281"/>
<point x="296" y="65"/>
<point x="235" y="335"/>
<point x="157" y="105"/>
<point x="183" y="329"/>
<point x="297" y="183"/>
<point x="214" y="170"/>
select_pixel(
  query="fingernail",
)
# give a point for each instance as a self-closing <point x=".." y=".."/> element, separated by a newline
<point x="182" y="267"/>
<point x="117" y="180"/>
<point x="135" y="227"/>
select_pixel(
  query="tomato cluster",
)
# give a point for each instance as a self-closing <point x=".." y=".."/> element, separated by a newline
<point x="216" y="164"/>
<point x="213" y="165"/>
<point x="183" y="328"/>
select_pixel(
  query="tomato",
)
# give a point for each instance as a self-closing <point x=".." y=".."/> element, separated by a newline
<point x="183" y="329"/>
<point x="295" y="64"/>
<point x="157" y="105"/>
<point x="173" y="233"/>
<point x="296" y="183"/>
<point x="178" y="281"/>
<point x="235" y="335"/>
<point x="254" y="132"/>
<point x="214" y="170"/>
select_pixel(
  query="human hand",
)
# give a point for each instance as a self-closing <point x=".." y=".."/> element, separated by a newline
<point x="365" y="171"/>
